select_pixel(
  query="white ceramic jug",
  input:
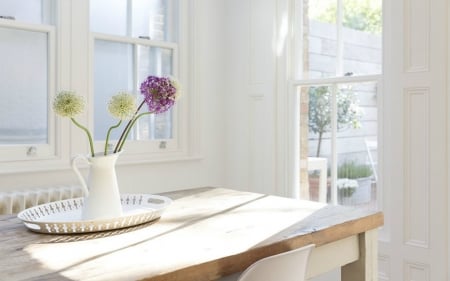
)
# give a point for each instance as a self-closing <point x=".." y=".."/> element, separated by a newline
<point x="102" y="197"/>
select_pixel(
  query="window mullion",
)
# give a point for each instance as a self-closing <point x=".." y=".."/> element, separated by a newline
<point x="334" y="110"/>
<point x="339" y="38"/>
<point x="150" y="57"/>
<point x="131" y="40"/>
<point x="129" y="18"/>
<point x="333" y="80"/>
<point x="136" y="86"/>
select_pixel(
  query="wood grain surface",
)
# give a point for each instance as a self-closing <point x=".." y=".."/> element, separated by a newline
<point x="206" y="233"/>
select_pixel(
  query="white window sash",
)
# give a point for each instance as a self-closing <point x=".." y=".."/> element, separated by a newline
<point x="144" y="147"/>
<point x="34" y="152"/>
<point x="333" y="83"/>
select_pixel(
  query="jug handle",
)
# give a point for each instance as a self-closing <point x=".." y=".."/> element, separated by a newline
<point x="77" y="172"/>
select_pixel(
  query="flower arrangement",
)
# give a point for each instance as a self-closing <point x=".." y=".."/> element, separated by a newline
<point x="159" y="94"/>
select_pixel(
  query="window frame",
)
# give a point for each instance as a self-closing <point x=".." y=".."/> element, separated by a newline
<point x="71" y="68"/>
<point x="339" y="78"/>
<point x="32" y="152"/>
<point x="333" y="83"/>
<point x="146" y="147"/>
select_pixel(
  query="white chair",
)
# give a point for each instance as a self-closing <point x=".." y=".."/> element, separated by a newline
<point x="287" y="266"/>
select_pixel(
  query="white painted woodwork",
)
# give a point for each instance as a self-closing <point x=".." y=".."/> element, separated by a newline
<point x="417" y="35"/>
<point x="249" y="89"/>
<point x="243" y="114"/>
<point x="416" y="159"/>
<point x="415" y="128"/>
<point x="204" y="60"/>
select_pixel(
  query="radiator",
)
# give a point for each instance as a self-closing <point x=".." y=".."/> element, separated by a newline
<point x="12" y="202"/>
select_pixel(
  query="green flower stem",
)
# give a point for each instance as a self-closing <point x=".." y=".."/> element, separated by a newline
<point x="109" y="133"/>
<point x="132" y="122"/>
<point x="91" y="143"/>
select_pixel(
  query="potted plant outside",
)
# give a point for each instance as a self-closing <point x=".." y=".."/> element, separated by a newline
<point x="354" y="183"/>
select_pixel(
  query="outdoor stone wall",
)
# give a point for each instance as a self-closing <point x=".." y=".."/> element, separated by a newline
<point x="362" y="55"/>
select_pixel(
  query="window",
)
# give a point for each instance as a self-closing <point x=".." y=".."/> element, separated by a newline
<point x="96" y="48"/>
<point x="140" y="41"/>
<point x="26" y="80"/>
<point x="338" y="80"/>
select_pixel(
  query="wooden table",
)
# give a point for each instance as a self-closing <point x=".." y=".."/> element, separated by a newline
<point x="207" y="233"/>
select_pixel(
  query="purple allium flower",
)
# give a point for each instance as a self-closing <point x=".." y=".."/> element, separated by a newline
<point x="159" y="93"/>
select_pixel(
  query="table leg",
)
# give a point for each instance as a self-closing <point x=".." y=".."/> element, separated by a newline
<point x="366" y="267"/>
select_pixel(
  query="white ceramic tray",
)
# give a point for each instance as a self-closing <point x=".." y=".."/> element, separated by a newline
<point x="64" y="217"/>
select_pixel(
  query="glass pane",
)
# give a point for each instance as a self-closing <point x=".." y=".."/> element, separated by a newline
<point x="315" y="139"/>
<point x="361" y="37"/>
<point x="351" y="48"/>
<point x="155" y="61"/>
<point x="157" y="126"/>
<point x="32" y="11"/>
<point x="356" y="144"/>
<point x="23" y="87"/>
<point x="155" y="19"/>
<point x="109" y="16"/>
<point x="320" y="35"/>
<point x="113" y="72"/>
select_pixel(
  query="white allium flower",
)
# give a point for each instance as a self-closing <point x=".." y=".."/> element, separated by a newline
<point x="68" y="104"/>
<point x="122" y="106"/>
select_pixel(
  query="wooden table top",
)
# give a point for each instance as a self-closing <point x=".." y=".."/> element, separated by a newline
<point x="204" y="234"/>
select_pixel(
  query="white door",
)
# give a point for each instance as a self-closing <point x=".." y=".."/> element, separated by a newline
<point x="413" y="244"/>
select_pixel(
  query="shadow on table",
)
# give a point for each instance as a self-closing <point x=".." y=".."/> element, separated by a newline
<point x="94" y="235"/>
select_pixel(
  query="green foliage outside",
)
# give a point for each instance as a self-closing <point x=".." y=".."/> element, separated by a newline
<point x="353" y="170"/>
<point x="363" y="15"/>
<point x="350" y="171"/>
<point x="348" y="111"/>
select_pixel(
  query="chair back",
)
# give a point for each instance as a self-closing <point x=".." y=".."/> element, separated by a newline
<point x="287" y="266"/>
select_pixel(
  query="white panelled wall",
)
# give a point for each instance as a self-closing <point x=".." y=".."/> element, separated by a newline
<point x="415" y="240"/>
<point x="250" y="95"/>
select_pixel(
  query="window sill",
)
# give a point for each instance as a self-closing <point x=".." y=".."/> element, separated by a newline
<point x="35" y="166"/>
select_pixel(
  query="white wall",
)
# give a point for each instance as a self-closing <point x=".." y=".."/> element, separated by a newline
<point x="250" y="95"/>
<point x="208" y="169"/>
<point x="414" y="242"/>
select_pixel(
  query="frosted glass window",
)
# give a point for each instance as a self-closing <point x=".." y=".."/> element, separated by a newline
<point x="155" y="19"/>
<point x="155" y="61"/>
<point x="31" y="11"/>
<point x="23" y="87"/>
<point x="113" y="72"/>
<point x="122" y="63"/>
<point x="109" y="16"/>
